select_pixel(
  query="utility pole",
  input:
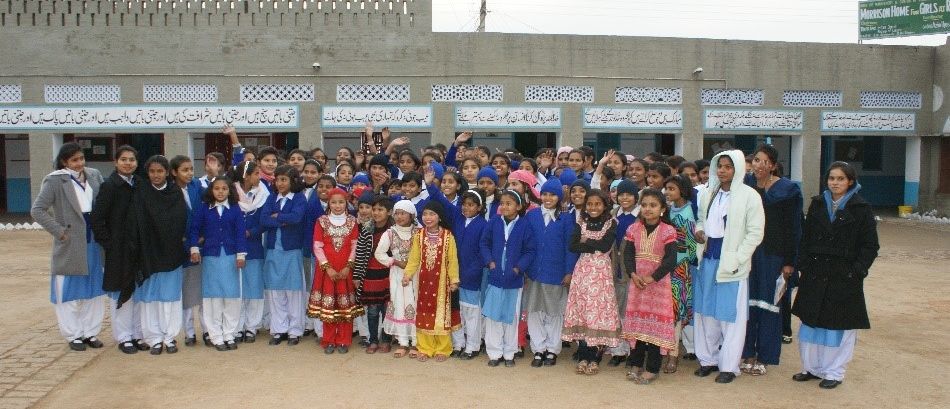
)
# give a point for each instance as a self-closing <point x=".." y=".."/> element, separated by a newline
<point x="481" y="17"/>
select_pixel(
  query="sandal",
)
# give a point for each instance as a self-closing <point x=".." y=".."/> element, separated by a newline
<point x="592" y="369"/>
<point x="758" y="369"/>
<point x="581" y="368"/>
<point x="413" y="353"/>
<point x="644" y="380"/>
<point x="372" y="348"/>
<point x="400" y="352"/>
<point x="665" y="363"/>
<point x="385" y="348"/>
<point x="633" y="374"/>
<point x="672" y="364"/>
<point x="422" y="357"/>
<point x="440" y="358"/>
<point x="745" y="367"/>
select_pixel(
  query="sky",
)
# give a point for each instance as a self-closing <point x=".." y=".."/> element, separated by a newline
<point x="826" y="21"/>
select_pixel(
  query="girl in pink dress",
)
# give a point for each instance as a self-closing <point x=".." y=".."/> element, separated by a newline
<point x="591" y="317"/>
<point x="649" y="321"/>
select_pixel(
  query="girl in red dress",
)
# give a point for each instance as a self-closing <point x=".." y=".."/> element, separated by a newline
<point x="333" y="297"/>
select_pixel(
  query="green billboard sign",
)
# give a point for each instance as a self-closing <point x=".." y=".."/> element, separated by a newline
<point x="901" y="18"/>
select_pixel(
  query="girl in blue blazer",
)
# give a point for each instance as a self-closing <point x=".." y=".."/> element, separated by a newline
<point x="252" y="195"/>
<point x="549" y="274"/>
<point x="508" y="249"/>
<point x="183" y="174"/>
<point x="283" y="217"/>
<point x="218" y="242"/>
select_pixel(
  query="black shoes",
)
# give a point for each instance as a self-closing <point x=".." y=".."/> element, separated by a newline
<point x="804" y="377"/>
<point x="207" y="339"/>
<point x="616" y="360"/>
<point x="141" y="345"/>
<point x="550" y="359"/>
<point x="455" y="354"/>
<point x="249" y="337"/>
<point x="509" y="363"/>
<point x="725" y="377"/>
<point x="156" y="349"/>
<point x="232" y="345"/>
<point x="520" y="353"/>
<point x="128" y="347"/>
<point x="239" y="337"/>
<point x="293" y="341"/>
<point x="221" y="347"/>
<point x="190" y="341"/>
<point x="77" y="345"/>
<point x="829" y="384"/>
<point x="342" y="349"/>
<point x="704" y="371"/>
<point x="493" y="362"/>
<point x="277" y="339"/>
<point x="171" y="347"/>
<point x="93" y="342"/>
<point x="689" y="357"/>
<point x="538" y="360"/>
<point x="467" y="356"/>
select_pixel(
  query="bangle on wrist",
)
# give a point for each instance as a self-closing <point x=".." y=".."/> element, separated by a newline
<point x="325" y="266"/>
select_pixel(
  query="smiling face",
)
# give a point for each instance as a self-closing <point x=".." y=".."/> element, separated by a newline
<point x="627" y="201"/>
<point x="380" y="214"/>
<point x="638" y="173"/>
<point x="430" y="219"/>
<point x="337" y="204"/>
<point x="269" y="163"/>
<point x="450" y="186"/>
<point x="762" y="167"/>
<point x="126" y="163"/>
<point x="403" y="218"/>
<point x="253" y="178"/>
<point x="595" y="206"/>
<point x="501" y="166"/>
<point x="406" y="164"/>
<point x="296" y="160"/>
<point x="410" y="189"/>
<point x="549" y="200"/>
<point x="651" y="209"/>
<point x="310" y="175"/>
<point x="578" y="196"/>
<point x="654" y="179"/>
<point x="470" y="207"/>
<point x="76" y="162"/>
<point x="576" y="162"/>
<point x="614" y="163"/>
<point x="509" y="207"/>
<point x="157" y="175"/>
<point x="282" y="184"/>
<point x="220" y="190"/>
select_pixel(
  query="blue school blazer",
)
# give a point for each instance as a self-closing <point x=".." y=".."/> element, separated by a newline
<point x="467" y="241"/>
<point x="227" y="230"/>
<point x="195" y="192"/>
<point x="255" y="244"/>
<point x="314" y="211"/>
<point x="519" y="250"/>
<point x="553" y="260"/>
<point x="289" y="220"/>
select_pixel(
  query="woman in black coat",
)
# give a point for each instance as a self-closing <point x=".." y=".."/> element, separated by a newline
<point x="839" y="244"/>
<point x="110" y="220"/>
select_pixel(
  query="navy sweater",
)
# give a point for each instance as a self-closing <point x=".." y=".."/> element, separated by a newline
<point x="519" y="250"/>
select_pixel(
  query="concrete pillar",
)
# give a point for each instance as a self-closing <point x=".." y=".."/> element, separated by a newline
<point x="797" y="147"/>
<point x="178" y="142"/>
<point x="43" y="149"/>
<point x="572" y="130"/>
<point x="912" y="171"/>
<point x="810" y="165"/>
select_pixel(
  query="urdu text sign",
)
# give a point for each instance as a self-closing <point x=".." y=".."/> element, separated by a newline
<point x="901" y="18"/>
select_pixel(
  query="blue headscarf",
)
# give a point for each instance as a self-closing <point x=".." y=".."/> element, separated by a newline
<point x="841" y="203"/>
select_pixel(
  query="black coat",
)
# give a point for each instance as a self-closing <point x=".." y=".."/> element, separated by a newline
<point x="160" y="217"/>
<point x="834" y="260"/>
<point x="110" y="222"/>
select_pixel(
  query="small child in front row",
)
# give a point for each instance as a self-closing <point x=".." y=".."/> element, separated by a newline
<point x="393" y="251"/>
<point x="549" y="274"/>
<point x="282" y="216"/>
<point x="333" y="297"/>
<point x="625" y="214"/>
<point x="679" y="194"/>
<point x="508" y="249"/>
<point x="649" y="322"/>
<point x="217" y="226"/>
<point x="434" y="259"/>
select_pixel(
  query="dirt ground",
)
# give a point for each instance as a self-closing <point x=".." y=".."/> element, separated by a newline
<point x="897" y="363"/>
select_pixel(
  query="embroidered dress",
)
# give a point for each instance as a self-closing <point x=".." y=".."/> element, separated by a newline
<point x="401" y="312"/>
<point x="591" y="314"/>
<point x="650" y="315"/>
<point x="334" y="301"/>
<point x="681" y="280"/>
<point x="433" y="255"/>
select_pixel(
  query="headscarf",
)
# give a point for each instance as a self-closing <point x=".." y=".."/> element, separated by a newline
<point x="553" y="186"/>
<point x="527" y="178"/>
<point x="487" y="172"/>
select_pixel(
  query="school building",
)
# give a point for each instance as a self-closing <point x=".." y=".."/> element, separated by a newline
<point x="166" y="75"/>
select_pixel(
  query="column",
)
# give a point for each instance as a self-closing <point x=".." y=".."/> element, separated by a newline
<point x="178" y="142"/>
<point x="797" y="147"/>
<point x="912" y="171"/>
<point x="43" y="149"/>
<point x="810" y="154"/>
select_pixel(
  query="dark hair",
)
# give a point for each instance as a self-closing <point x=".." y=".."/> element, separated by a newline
<point x="848" y="171"/>
<point x="296" y="184"/>
<point x="123" y="149"/>
<point x="346" y="148"/>
<point x="242" y="170"/>
<point x="484" y="150"/>
<point x="208" y="196"/>
<point x="686" y="165"/>
<point x="268" y="150"/>
<point x="297" y="151"/>
<point x="249" y="149"/>
<point x="503" y="156"/>
<point x="603" y="196"/>
<point x="675" y="161"/>
<point x="769" y="152"/>
<point x="345" y="162"/>
<point x="434" y="155"/>
<point x="384" y="201"/>
<point x="327" y="178"/>
<point x="533" y="163"/>
<point x="220" y="158"/>
<point x="701" y="164"/>
<point x="517" y="197"/>
<point x="474" y="160"/>
<point x="412" y="177"/>
<point x="314" y="151"/>
<point x="65" y="152"/>
<point x="662" y="168"/>
<point x="655" y="156"/>
<point x="389" y="184"/>
<point x="415" y="159"/>
<point x="658" y="195"/>
<point x="476" y="195"/>
<point x="438" y="209"/>
<point x="313" y="162"/>
<point x="179" y="160"/>
<point x="578" y="151"/>
<point x="161" y="160"/>
<point x="779" y="169"/>
<point x="463" y="185"/>
<point x="683" y="183"/>
<point x="643" y="163"/>
<point x="587" y="151"/>
<point x="727" y="157"/>
<point x="441" y="147"/>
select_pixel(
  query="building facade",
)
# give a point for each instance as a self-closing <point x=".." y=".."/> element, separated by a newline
<point x="166" y="75"/>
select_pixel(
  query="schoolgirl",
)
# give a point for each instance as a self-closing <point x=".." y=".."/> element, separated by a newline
<point x="548" y="277"/>
<point x="296" y="158"/>
<point x="452" y="187"/>
<point x="218" y="243"/>
<point x="523" y="182"/>
<point x="502" y="165"/>
<point x="333" y="297"/>
<point x="649" y="257"/>
<point x="282" y="218"/>
<point x="76" y="264"/>
<point x="183" y="172"/>
<point x="625" y="214"/>
<point x="161" y="216"/>
<point x="314" y="184"/>
<point x="267" y="158"/>
<point x="393" y="251"/>
<point x="371" y="276"/>
<point x="679" y="194"/>
<point x="508" y="248"/>
<point x="469" y="169"/>
<point x="488" y="182"/>
<point x="252" y="195"/>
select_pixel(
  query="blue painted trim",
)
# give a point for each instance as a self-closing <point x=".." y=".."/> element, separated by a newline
<point x="631" y="127"/>
<point x="371" y="105"/>
<point x="18" y="195"/>
<point x="799" y="128"/>
<point x="911" y="193"/>
<point x="294" y="125"/>
<point x="560" y="116"/>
